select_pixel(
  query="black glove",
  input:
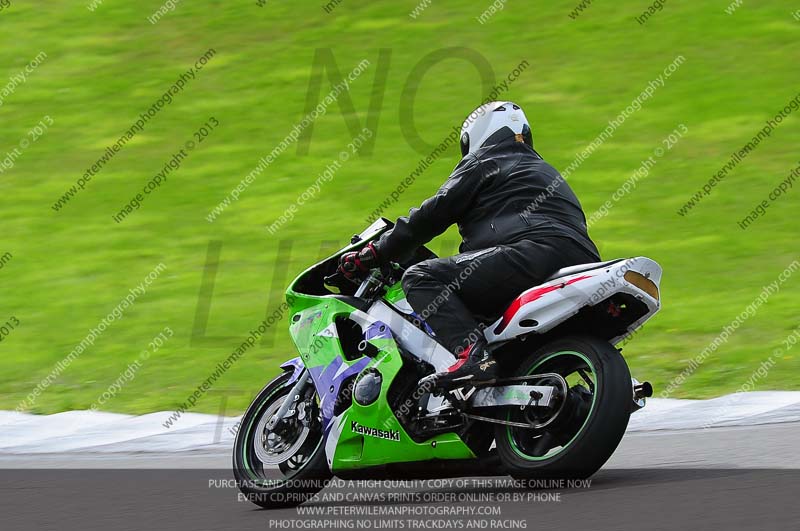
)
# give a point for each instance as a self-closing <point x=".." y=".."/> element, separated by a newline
<point x="358" y="261"/>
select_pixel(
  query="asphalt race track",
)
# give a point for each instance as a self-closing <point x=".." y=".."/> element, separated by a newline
<point x="718" y="478"/>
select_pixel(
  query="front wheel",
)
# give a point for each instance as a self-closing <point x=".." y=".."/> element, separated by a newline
<point x="579" y="432"/>
<point x="286" y="466"/>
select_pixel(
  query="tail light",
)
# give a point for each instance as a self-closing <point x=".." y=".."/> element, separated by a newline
<point x="643" y="283"/>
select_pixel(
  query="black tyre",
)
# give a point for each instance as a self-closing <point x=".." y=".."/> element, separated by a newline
<point x="282" y="468"/>
<point x="576" y="437"/>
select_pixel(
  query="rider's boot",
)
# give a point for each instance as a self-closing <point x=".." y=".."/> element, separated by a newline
<point x="474" y="366"/>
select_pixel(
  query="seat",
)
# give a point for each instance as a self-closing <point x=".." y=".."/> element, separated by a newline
<point x="580" y="268"/>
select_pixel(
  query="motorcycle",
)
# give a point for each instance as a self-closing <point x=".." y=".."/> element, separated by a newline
<point x="350" y="405"/>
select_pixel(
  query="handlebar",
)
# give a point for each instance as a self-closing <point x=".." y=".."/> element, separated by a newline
<point x="333" y="280"/>
<point x="375" y="279"/>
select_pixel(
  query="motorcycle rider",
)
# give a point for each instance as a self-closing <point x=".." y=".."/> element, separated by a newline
<point x="519" y="221"/>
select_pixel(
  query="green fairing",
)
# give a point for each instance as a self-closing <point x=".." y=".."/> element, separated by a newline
<point x="355" y="450"/>
<point x="310" y="315"/>
<point x="395" y="293"/>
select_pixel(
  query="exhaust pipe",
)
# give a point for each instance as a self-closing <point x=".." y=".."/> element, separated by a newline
<point x="641" y="391"/>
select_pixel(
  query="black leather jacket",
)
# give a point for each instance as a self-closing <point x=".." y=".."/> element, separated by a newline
<point x="503" y="193"/>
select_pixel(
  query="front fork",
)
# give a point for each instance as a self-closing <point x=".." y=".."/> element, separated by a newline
<point x="291" y="400"/>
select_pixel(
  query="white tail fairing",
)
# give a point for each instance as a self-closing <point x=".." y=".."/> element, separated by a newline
<point x="544" y="307"/>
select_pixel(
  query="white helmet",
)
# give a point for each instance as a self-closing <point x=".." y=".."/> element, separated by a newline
<point x="489" y="118"/>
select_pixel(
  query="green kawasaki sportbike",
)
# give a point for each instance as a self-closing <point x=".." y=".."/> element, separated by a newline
<point x="350" y="404"/>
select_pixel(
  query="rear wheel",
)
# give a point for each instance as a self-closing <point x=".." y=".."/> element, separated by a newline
<point x="577" y="435"/>
<point x="286" y="466"/>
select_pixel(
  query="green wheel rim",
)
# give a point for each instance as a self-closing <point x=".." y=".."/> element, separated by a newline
<point x="539" y="363"/>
